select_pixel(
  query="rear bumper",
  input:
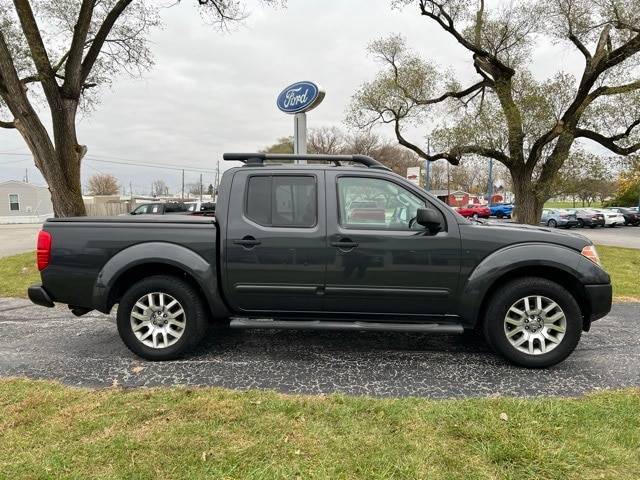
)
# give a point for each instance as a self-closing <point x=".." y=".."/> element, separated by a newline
<point x="600" y="297"/>
<point x="39" y="296"/>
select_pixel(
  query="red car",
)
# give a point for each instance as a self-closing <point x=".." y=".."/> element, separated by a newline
<point x="474" y="210"/>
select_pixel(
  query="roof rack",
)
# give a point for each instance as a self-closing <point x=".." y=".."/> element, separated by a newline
<point x="258" y="159"/>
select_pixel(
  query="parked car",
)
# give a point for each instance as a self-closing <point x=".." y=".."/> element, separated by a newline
<point x="588" y="218"/>
<point x="500" y="210"/>
<point x="203" y="209"/>
<point x="474" y="210"/>
<point x="611" y="218"/>
<point x="630" y="215"/>
<point x="558" y="217"/>
<point x="161" y="208"/>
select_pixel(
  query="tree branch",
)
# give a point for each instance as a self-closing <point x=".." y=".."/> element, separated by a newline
<point x="38" y="50"/>
<point x="101" y="36"/>
<point x="442" y="18"/>
<point x="73" y="70"/>
<point x="609" y="142"/>
<point x="623" y="52"/>
<point x="580" y="46"/>
<point x="461" y="94"/>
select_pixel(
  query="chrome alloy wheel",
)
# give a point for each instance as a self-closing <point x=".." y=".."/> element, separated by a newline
<point x="157" y="320"/>
<point x="535" y="325"/>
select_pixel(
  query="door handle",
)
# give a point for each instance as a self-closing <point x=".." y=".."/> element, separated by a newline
<point x="344" y="244"/>
<point x="247" y="242"/>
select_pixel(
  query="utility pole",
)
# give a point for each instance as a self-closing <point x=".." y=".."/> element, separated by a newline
<point x="201" y="188"/>
<point x="490" y="180"/>
<point x="182" y="184"/>
<point x="427" y="183"/>
<point x="217" y="181"/>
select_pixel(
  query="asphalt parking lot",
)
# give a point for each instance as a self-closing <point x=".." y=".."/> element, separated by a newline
<point x="44" y="343"/>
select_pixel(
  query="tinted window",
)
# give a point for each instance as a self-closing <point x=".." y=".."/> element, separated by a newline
<point x="282" y="201"/>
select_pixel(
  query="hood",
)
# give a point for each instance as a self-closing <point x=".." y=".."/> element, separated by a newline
<point x="518" y="233"/>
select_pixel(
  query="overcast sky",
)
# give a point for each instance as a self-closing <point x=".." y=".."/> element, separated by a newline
<point x="210" y="93"/>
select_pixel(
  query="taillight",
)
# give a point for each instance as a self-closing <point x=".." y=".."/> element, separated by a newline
<point x="44" y="249"/>
<point x="590" y="252"/>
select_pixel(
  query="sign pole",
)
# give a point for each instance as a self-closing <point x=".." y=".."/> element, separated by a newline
<point x="300" y="135"/>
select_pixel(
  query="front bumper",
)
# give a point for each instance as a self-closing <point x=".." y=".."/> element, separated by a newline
<point x="39" y="296"/>
<point x="600" y="297"/>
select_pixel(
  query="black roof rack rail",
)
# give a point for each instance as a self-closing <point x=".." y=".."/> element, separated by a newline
<point x="258" y="159"/>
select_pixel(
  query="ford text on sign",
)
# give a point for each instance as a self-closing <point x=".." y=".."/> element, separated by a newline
<point x="300" y="97"/>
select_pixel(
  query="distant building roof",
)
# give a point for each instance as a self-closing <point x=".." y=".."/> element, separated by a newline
<point x="22" y="184"/>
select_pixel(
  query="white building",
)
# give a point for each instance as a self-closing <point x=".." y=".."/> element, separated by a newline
<point x="22" y="202"/>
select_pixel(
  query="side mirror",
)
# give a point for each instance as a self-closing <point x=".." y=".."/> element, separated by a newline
<point x="429" y="219"/>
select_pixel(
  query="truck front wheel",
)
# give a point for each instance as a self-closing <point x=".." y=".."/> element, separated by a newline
<point x="533" y="322"/>
<point x="160" y="317"/>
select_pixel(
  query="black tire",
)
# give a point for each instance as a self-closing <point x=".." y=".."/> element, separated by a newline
<point x="161" y="317"/>
<point x="532" y="322"/>
<point x="552" y="223"/>
<point x="580" y="223"/>
<point x="499" y="214"/>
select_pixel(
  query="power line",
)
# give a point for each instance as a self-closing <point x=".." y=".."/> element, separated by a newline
<point x="137" y="163"/>
<point x="152" y="165"/>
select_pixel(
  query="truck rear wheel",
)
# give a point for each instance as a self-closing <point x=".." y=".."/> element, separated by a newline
<point x="161" y="317"/>
<point x="533" y="322"/>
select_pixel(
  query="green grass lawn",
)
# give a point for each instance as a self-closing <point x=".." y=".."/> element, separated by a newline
<point x="52" y="431"/>
<point x="577" y="204"/>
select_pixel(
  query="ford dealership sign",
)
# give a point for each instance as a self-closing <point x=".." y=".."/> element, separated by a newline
<point x="300" y="97"/>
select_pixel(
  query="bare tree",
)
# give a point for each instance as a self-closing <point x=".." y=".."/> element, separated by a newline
<point x="159" y="187"/>
<point x="103" y="184"/>
<point x="194" y="188"/>
<point x="56" y="53"/>
<point x="328" y="140"/>
<point x="505" y="113"/>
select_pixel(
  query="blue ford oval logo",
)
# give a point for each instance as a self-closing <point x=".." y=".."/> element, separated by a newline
<point x="300" y="97"/>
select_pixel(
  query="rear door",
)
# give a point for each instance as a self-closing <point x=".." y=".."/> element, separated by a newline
<point x="389" y="265"/>
<point x="275" y="246"/>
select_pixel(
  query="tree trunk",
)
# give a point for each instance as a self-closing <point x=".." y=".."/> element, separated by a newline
<point x="59" y="164"/>
<point x="528" y="207"/>
<point x="67" y="196"/>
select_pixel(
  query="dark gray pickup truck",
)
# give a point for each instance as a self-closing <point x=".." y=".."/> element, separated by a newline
<point x="286" y="250"/>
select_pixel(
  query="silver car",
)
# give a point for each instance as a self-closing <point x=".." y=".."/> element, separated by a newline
<point x="558" y="217"/>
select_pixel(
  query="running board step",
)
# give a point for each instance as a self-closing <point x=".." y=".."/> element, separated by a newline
<point x="345" y="325"/>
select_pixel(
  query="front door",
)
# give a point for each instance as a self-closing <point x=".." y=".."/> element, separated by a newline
<point x="275" y="250"/>
<point x="381" y="262"/>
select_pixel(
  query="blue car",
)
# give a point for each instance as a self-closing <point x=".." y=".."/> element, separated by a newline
<point x="500" y="210"/>
<point x="558" y="217"/>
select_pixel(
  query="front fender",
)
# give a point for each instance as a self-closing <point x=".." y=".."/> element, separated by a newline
<point x="525" y="257"/>
<point x="158" y="253"/>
